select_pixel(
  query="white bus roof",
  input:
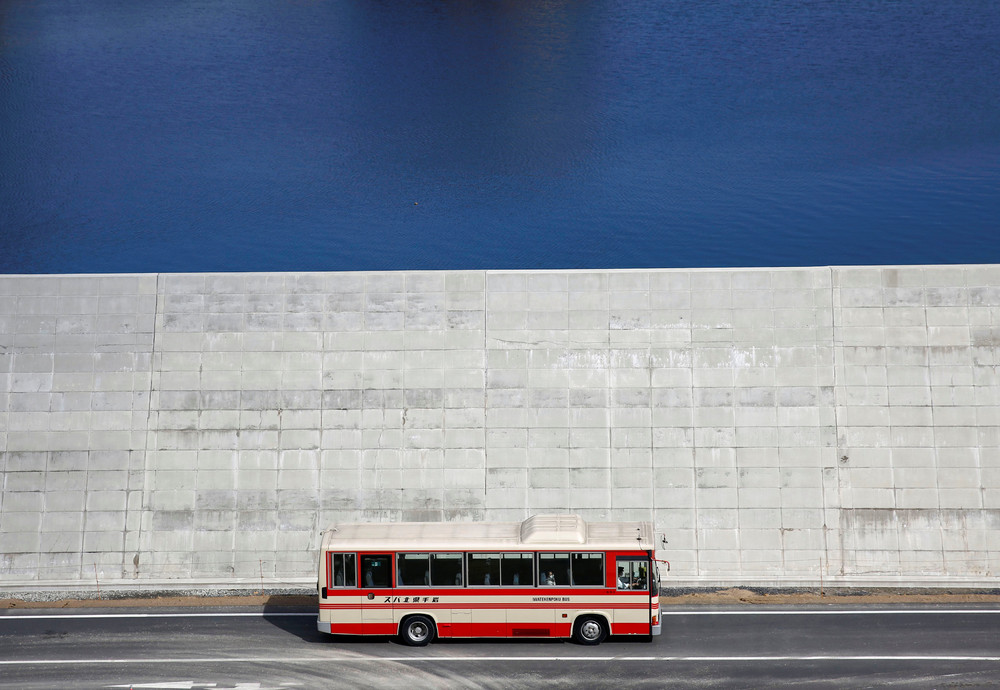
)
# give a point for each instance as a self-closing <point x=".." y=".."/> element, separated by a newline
<point x="537" y="533"/>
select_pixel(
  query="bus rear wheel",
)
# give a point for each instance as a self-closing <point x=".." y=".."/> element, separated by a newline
<point x="417" y="631"/>
<point x="590" y="630"/>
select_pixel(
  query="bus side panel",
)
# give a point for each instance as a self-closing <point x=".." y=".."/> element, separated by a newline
<point x="461" y="621"/>
<point x="631" y="615"/>
<point x="454" y="617"/>
<point x="631" y="629"/>
<point x="488" y="622"/>
<point x="341" y="612"/>
<point x="377" y="614"/>
<point x="527" y="617"/>
<point x="562" y="629"/>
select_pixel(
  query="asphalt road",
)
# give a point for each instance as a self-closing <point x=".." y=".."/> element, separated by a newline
<point x="833" y="647"/>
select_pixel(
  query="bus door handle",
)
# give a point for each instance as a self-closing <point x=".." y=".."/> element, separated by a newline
<point x="371" y="595"/>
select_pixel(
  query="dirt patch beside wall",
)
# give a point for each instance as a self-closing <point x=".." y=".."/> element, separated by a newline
<point x="837" y="596"/>
<point x="667" y="598"/>
<point x="166" y="601"/>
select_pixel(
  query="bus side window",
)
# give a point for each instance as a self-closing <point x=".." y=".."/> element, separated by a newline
<point x="338" y="570"/>
<point x="412" y="569"/>
<point x="375" y="570"/>
<point x="517" y="569"/>
<point x="588" y="569"/>
<point x="446" y="569"/>
<point x="484" y="569"/>
<point x="555" y="568"/>
<point x="345" y="571"/>
<point x="632" y="573"/>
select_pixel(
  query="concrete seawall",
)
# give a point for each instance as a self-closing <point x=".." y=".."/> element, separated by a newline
<point x="779" y="426"/>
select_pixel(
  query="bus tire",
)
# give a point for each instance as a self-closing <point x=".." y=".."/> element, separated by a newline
<point x="590" y="630"/>
<point x="417" y="631"/>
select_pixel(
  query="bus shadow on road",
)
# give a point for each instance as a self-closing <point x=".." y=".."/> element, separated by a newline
<point x="294" y="618"/>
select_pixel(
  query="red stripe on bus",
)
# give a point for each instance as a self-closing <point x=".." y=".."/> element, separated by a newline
<point x="485" y="607"/>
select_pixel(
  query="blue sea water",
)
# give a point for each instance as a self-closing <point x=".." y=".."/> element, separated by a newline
<point x="243" y="135"/>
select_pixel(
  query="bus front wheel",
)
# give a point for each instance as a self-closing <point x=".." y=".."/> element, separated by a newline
<point x="590" y="630"/>
<point x="417" y="631"/>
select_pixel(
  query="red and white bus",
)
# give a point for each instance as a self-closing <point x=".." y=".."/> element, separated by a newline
<point x="549" y="576"/>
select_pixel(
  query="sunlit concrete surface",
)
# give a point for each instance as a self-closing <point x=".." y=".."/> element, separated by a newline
<point x="779" y="426"/>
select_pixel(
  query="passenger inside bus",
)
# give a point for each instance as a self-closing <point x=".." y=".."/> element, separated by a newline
<point x="377" y="571"/>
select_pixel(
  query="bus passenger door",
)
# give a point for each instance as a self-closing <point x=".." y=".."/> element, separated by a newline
<point x="376" y="594"/>
<point x="632" y="584"/>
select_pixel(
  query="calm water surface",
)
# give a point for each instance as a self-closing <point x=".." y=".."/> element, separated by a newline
<point x="203" y="135"/>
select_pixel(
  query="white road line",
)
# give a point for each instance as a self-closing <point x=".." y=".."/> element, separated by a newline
<point x="479" y="659"/>
<point x="823" y="612"/>
<point x="754" y="612"/>
<point x="68" y="616"/>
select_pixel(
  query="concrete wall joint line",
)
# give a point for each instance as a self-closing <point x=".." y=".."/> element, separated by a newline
<point x="144" y="502"/>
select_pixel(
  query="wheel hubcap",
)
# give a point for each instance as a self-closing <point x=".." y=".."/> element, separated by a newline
<point x="591" y="630"/>
<point x="418" y="631"/>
